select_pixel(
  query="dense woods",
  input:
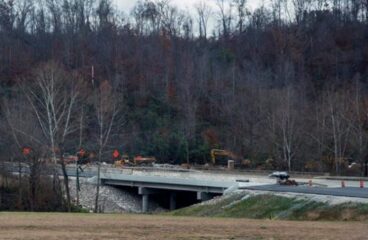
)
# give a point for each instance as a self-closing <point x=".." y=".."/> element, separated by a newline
<point x="284" y="86"/>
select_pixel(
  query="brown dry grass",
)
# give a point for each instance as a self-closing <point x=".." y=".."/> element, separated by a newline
<point x="88" y="226"/>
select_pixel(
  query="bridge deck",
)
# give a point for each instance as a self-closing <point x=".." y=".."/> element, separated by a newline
<point x="181" y="184"/>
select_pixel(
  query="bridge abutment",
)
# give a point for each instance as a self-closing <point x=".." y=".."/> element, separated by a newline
<point x="204" y="196"/>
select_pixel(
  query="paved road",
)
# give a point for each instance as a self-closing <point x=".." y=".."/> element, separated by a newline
<point x="71" y="170"/>
<point x="255" y="183"/>
<point x="341" y="192"/>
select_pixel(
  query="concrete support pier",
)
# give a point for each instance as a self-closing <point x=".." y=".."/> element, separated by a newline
<point x="145" y="192"/>
<point x="145" y="202"/>
<point x="172" y="201"/>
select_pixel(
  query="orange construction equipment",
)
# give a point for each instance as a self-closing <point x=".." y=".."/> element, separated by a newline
<point x="136" y="161"/>
<point x="224" y="156"/>
<point x="139" y="160"/>
<point x="121" y="160"/>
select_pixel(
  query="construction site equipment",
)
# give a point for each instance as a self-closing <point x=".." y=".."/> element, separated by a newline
<point x="83" y="157"/>
<point x="123" y="161"/>
<point x="136" y="161"/>
<point x="139" y="160"/>
<point x="288" y="182"/>
<point x="221" y="157"/>
<point x="69" y="159"/>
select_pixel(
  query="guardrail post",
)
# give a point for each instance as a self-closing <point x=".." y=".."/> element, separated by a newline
<point x="342" y="183"/>
<point x="361" y="184"/>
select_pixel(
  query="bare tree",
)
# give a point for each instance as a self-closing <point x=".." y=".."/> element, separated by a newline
<point x="53" y="98"/>
<point x="7" y="15"/>
<point x="24" y="10"/>
<point x="188" y="96"/>
<point x="55" y="9"/>
<point x="337" y="104"/>
<point x="204" y="13"/>
<point x="300" y="8"/>
<point x="283" y="125"/>
<point x="226" y="16"/>
<point x="106" y="110"/>
<point x="358" y="121"/>
<point x="240" y="6"/>
<point x="28" y="145"/>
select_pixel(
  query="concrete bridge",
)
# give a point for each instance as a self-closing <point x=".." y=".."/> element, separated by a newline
<point x="149" y="185"/>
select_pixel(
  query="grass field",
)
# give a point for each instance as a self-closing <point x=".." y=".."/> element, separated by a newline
<point x="40" y="226"/>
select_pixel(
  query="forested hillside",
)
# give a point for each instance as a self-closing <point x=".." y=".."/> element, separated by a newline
<point x="284" y="86"/>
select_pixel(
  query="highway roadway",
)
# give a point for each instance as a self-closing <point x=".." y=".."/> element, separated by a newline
<point x="256" y="183"/>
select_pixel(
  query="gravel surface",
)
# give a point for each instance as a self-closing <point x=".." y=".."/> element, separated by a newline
<point x="352" y="192"/>
<point x="111" y="200"/>
<point x="331" y="200"/>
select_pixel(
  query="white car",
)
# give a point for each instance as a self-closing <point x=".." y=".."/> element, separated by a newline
<point x="280" y="175"/>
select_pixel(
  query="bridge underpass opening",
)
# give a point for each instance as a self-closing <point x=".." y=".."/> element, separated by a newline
<point x="177" y="199"/>
<point x="172" y="200"/>
<point x="167" y="199"/>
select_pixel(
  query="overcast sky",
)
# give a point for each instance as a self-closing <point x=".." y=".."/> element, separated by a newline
<point x="127" y="5"/>
<point x="189" y="5"/>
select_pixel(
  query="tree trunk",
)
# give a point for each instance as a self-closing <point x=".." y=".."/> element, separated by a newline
<point x="34" y="182"/>
<point x="65" y="178"/>
<point x="98" y="186"/>
<point x="77" y="184"/>
<point x="66" y="183"/>
<point x="20" y="193"/>
<point x="98" y="180"/>
<point x="187" y="150"/>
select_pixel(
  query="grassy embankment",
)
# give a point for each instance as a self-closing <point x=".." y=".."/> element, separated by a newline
<point x="276" y="207"/>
